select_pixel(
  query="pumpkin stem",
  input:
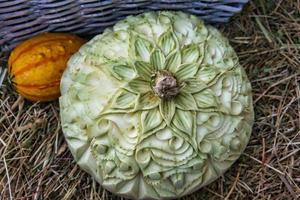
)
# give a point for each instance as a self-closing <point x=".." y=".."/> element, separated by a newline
<point x="165" y="85"/>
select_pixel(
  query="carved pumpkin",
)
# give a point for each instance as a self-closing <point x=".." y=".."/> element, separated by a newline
<point x="36" y="65"/>
<point x="157" y="106"/>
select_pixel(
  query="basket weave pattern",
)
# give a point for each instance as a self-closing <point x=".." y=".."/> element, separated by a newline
<point x="21" y="19"/>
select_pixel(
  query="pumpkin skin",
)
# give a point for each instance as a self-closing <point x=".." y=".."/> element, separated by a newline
<point x="36" y="65"/>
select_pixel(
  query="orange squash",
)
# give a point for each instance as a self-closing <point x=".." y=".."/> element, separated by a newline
<point x="36" y="65"/>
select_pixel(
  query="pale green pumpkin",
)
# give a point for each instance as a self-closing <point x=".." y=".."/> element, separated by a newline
<point x="156" y="107"/>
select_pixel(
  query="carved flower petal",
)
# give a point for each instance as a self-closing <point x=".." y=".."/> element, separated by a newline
<point x="215" y="120"/>
<point x="143" y="48"/>
<point x="168" y="42"/>
<point x="193" y="86"/>
<point x="157" y="59"/>
<point x="164" y="134"/>
<point x="167" y="110"/>
<point x="218" y="51"/>
<point x="235" y="143"/>
<point x="236" y="107"/>
<point x="219" y="151"/>
<point x="202" y="117"/>
<point x="201" y="132"/>
<point x="186" y="71"/>
<point x="123" y="72"/>
<point x="176" y="142"/>
<point x="143" y="157"/>
<point x="205" y="99"/>
<point x="150" y="120"/>
<point x="144" y="70"/>
<point x="207" y="73"/>
<point x="190" y="54"/>
<point x="147" y="101"/>
<point x="183" y="120"/>
<point x="185" y="101"/>
<point x="138" y="85"/>
<point x="124" y="99"/>
<point x="173" y="61"/>
<point x="205" y="146"/>
<point x="183" y="26"/>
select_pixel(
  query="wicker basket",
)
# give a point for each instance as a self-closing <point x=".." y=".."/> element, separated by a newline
<point x="21" y="19"/>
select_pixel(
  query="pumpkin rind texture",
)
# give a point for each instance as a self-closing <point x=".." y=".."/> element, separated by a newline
<point x="36" y="65"/>
<point x="136" y="138"/>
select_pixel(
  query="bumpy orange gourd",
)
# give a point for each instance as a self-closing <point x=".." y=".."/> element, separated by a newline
<point x="36" y="65"/>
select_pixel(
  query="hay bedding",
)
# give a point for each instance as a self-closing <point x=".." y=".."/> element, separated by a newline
<point x="35" y="162"/>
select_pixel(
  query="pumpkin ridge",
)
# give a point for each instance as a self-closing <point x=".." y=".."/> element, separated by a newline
<point x="41" y="86"/>
<point x="38" y="97"/>
<point x="35" y="44"/>
<point x="41" y="63"/>
<point x="35" y="95"/>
